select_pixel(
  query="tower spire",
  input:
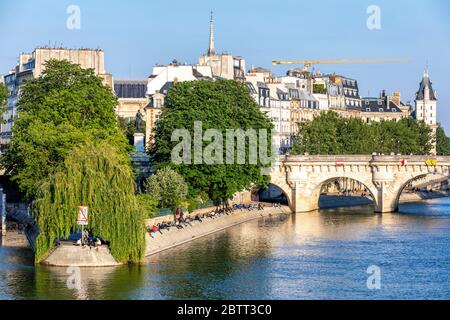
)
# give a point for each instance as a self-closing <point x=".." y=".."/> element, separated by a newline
<point x="211" y="50"/>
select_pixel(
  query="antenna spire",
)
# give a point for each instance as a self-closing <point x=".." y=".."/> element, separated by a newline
<point x="425" y="73"/>
<point x="211" y="50"/>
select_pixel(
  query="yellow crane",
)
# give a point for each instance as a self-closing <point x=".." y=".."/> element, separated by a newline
<point x="309" y="63"/>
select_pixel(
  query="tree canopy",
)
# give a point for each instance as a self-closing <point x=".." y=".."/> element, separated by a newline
<point x="3" y="97"/>
<point x="221" y="105"/>
<point x="67" y="150"/>
<point x="167" y="187"/>
<point x="442" y="142"/>
<point x="65" y="106"/>
<point x="332" y="134"/>
<point x="97" y="176"/>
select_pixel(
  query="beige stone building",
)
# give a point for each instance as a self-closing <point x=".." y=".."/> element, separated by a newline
<point x="384" y="107"/>
<point x="31" y="65"/>
<point x="132" y="97"/>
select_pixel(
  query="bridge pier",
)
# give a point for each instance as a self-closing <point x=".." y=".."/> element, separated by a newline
<point x="303" y="198"/>
<point x="387" y="199"/>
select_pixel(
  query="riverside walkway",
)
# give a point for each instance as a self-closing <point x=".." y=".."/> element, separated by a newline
<point x="195" y="229"/>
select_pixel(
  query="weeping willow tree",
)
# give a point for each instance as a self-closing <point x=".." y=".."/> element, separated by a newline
<point x="100" y="177"/>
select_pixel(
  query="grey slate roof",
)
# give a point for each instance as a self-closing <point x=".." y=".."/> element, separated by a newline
<point x="130" y="88"/>
<point x="426" y="82"/>
<point x="378" y="105"/>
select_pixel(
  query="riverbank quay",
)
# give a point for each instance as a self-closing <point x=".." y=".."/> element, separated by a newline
<point x="342" y="201"/>
<point x="423" y="195"/>
<point x="166" y="239"/>
<point x="68" y="254"/>
<point x="15" y="239"/>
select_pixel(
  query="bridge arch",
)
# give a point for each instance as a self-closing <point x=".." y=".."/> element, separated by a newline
<point x="274" y="193"/>
<point x="313" y="196"/>
<point x="405" y="184"/>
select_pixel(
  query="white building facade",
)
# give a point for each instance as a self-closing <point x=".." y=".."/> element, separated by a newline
<point x="426" y="106"/>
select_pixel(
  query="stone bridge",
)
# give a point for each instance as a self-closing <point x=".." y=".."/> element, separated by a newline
<point x="302" y="177"/>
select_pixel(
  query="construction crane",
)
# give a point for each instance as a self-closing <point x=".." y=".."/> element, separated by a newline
<point x="309" y="63"/>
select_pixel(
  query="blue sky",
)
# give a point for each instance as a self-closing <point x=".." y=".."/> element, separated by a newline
<point x="137" y="34"/>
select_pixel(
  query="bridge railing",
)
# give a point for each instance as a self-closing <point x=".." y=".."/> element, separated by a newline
<point x="365" y="158"/>
<point x="326" y="158"/>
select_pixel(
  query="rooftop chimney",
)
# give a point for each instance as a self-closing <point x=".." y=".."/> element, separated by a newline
<point x="396" y="98"/>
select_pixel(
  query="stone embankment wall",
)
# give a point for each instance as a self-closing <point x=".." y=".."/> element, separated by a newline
<point x="71" y="255"/>
<point x="173" y="237"/>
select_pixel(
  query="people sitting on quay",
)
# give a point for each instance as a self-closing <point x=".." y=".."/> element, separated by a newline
<point x="181" y="220"/>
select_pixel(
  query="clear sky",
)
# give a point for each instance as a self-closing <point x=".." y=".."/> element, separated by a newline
<point x="137" y="34"/>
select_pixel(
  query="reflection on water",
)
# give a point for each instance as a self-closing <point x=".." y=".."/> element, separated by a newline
<point x="318" y="255"/>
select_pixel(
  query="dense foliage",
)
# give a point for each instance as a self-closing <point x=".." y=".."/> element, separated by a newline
<point x="331" y="134"/>
<point x="221" y="105"/>
<point x="67" y="150"/>
<point x="167" y="187"/>
<point x="99" y="177"/>
<point x="65" y="106"/>
<point x="148" y="204"/>
<point x="3" y="97"/>
<point x="442" y="142"/>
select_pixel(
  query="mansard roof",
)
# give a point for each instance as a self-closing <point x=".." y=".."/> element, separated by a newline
<point x="130" y="88"/>
<point x="378" y="105"/>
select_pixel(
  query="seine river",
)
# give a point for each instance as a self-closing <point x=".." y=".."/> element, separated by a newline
<point x="318" y="255"/>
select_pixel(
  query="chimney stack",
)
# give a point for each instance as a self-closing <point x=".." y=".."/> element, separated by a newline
<point x="396" y="98"/>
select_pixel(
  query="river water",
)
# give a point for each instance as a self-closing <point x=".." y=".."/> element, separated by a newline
<point x="317" y="255"/>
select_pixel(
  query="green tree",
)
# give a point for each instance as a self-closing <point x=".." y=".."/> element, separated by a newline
<point x="64" y="107"/>
<point x="67" y="149"/>
<point x="331" y="134"/>
<point x="167" y="187"/>
<point x="99" y="176"/>
<point x="3" y="97"/>
<point x="147" y="203"/>
<point x="442" y="142"/>
<point x="220" y="105"/>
